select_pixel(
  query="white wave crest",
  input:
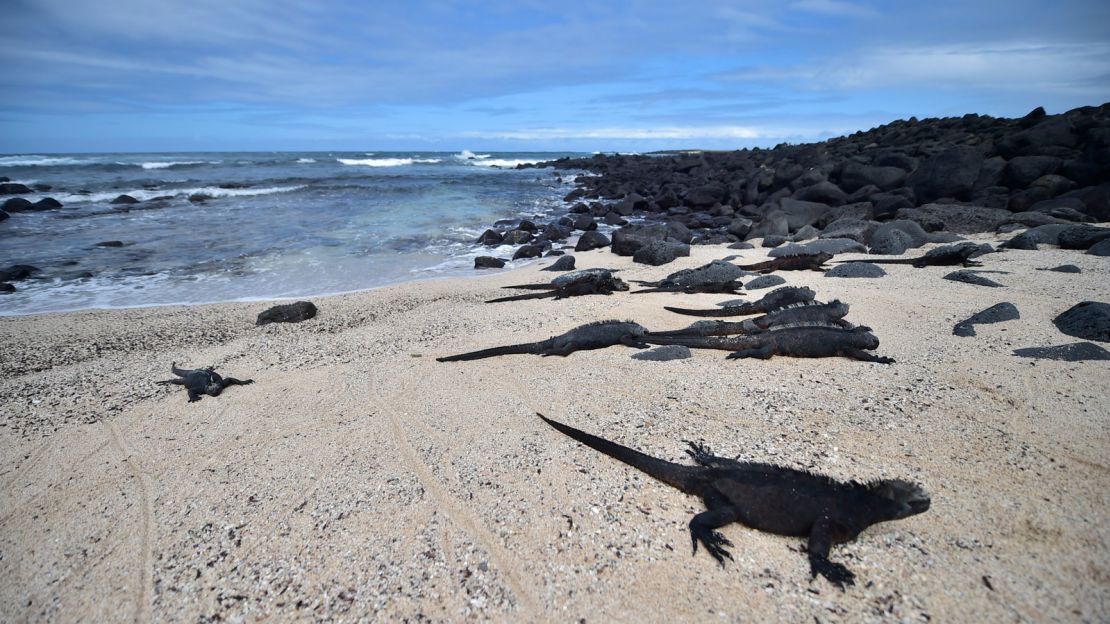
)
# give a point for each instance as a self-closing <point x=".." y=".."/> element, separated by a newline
<point x="147" y="194"/>
<point x="469" y="155"/>
<point x="306" y="161"/>
<point x="43" y="161"/>
<point x="168" y="164"/>
<point x="386" y="162"/>
<point x="506" y="163"/>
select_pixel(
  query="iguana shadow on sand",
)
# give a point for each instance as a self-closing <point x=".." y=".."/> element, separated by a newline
<point x="772" y="498"/>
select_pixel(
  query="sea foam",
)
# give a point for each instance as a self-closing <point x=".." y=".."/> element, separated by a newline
<point x="387" y="162"/>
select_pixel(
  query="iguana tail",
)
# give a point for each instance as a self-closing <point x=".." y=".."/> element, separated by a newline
<point x="657" y="289"/>
<point x="685" y="478"/>
<point x="883" y="260"/>
<point x="539" y="295"/>
<point x="533" y="286"/>
<point x="178" y="371"/>
<point x="708" y="328"/>
<point x="742" y="310"/>
<point x="528" y="347"/>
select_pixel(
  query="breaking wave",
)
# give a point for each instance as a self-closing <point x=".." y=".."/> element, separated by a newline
<point x="387" y="162"/>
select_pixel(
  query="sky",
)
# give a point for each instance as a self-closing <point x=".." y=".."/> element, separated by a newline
<point x="524" y="75"/>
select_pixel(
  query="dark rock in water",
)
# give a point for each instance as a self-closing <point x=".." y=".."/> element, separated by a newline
<point x="528" y="251"/>
<point x="972" y="277"/>
<point x="1101" y="248"/>
<point x="565" y="263"/>
<point x="488" y="262"/>
<point x="1024" y="241"/>
<point x="490" y="238"/>
<point x="6" y="288"/>
<point x="17" y="204"/>
<point x="1089" y="320"/>
<point x="585" y="223"/>
<point x="1082" y="236"/>
<point x="660" y="252"/>
<point x="527" y="225"/>
<point x="612" y="218"/>
<point x="951" y="173"/>
<point x="200" y="198"/>
<point x="4" y="215"/>
<point x="17" y="272"/>
<point x="591" y="240"/>
<point x="111" y="243"/>
<point x="856" y="269"/>
<point x="764" y="281"/>
<point x="288" y="313"/>
<point x="517" y="237"/>
<point x="741" y="245"/>
<point x="773" y="240"/>
<point x="13" y="188"/>
<point x="827" y="245"/>
<point x="1074" y="352"/>
<point x="124" y="199"/>
<point x="664" y="353"/>
<point x="1005" y="311"/>
<point x="1064" y="268"/>
<point x="47" y="203"/>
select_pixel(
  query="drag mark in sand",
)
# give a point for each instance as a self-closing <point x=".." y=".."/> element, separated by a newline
<point x="143" y="596"/>
<point x="461" y="516"/>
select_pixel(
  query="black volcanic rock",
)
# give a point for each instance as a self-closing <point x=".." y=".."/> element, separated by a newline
<point x="528" y="251"/>
<point x="659" y="252"/>
<point x="1101" y="248"/>
<point x="565" y="263"/>
<point x="17" y="204"/>
<point x="13" y="188"/>
<point x="288" y="313"/>
<point x="490" y="238"/>
<point x="591" y="240"/>
<point x="1082" y="236"/>
<point x="854" y="176"/>
<point x="856" y="269"/>
<point x="951" y="173"/>
<point x="764" y="281"/>
<point x="124" y="200"/>
<point x="1089" y="320"/>
<point x="488" y="262"/>
<point x="17" y="272"/>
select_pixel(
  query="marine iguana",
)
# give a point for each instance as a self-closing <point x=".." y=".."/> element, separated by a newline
<point x="804" y="312"/>
<point x="949" y="255"/>
<point x="777" y="298"/>
<point x="585" y="282"/>
<point x="718" y="276"/>
<point x="202" y="381"/>
<point x="807" y="340"/>
<point x="801" y="262"/>
<point x="596" y="335"/>
<point x="770" y="498"/>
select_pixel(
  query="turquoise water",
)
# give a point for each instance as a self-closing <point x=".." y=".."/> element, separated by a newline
<point x="274" y="224"/>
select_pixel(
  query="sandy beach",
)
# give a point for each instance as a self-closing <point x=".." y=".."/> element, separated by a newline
<point x="359" y="479"/>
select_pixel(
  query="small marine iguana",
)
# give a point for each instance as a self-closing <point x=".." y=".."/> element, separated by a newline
<point x="949" y="255"/>
<point x="804" y="312"/>
<point x="801" y="262"/>
<point x="585" y="282"/>
<point x="718" y="276"/>
<point x="806" y="340"/>
<point x="582" y="338"/>
<point x="777" y="298"/>
<point x="770" y="498"/>
<point x="202" y="381"/>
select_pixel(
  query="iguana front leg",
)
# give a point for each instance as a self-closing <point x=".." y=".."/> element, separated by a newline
<point x="821" y="538"/>
<point x="867" y="356"/>
<point x="193" y="395"/>
<point x="171" y="381"/>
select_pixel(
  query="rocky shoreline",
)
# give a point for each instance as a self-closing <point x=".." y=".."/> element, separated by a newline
<point x="884" y="191"/>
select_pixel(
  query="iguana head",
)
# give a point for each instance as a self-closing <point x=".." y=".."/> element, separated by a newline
<point x="899" y="499"/>
<point x="864" y="339"/>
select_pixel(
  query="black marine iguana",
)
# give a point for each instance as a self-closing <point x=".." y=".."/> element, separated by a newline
<point x="770" y="498"/>
<point x="777" y="298"/>
<point x="202" y="381"/>
<point x="949" y="255"/>
<point x="585" y="282"/>
<point x="582" y="338"/>
<point x="804" y="312"/>
<point x="801" y="262"/>
<point x="718" y="276"/>
<point x="806" y="340"/>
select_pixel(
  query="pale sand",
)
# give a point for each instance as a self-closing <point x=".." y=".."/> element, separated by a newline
<point x="360" y="479"/>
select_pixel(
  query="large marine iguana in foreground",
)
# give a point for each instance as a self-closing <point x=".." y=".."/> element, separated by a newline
<point x="719" y="276"/>
<point x="582" y="338"/>
<point x="800" y="262"/>
<point x="579" y="283"/>
<point x="202" y="381"/>
<point x="806" y="340"/>
<point x="949" y="255"/>
<point x="777" y="298"/>
<point x="771" y="498"/>
<point x="804" y="312"/>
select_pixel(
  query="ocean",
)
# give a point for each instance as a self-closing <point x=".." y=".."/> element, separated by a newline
<point x="269" y="224"/>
